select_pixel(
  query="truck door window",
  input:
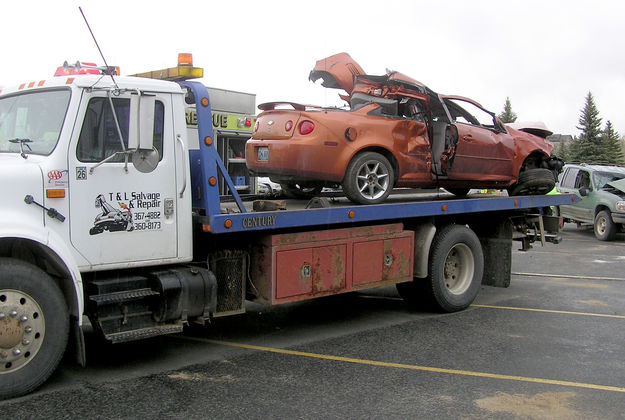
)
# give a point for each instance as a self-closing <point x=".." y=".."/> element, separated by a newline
<point x="99" y="137"/>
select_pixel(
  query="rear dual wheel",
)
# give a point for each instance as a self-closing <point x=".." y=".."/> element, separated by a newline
<point x="455" y="270"/>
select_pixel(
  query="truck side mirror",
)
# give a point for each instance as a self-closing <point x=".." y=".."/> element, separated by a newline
<point x="141" y="124"/>
<point x="141" y="132"/>
<point x="584" y="191"/>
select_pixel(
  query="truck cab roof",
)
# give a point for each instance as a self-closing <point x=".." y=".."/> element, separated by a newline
<point x="96" y="81"/>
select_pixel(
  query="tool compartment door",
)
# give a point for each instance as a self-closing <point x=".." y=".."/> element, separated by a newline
<point x="297" y="266"/>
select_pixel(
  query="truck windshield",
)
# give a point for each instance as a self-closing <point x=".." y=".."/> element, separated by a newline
<point x="31" y="122"/>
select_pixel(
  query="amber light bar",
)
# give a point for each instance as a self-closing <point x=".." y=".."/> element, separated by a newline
<point x="183" y="71"/>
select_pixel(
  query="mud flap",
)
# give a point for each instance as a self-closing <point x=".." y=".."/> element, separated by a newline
<point x="77" y="344"/>
<point x="496" y="239"/>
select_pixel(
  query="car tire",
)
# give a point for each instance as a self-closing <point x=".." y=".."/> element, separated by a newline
<point x="34" y="328"/>
<point x="605" y="229"/>
<point x="458" y="192"/>
<point x="300" y="191"/>
<point x="369" y="178"/>
<point x="455" y="268"/>
<point x="537" y="181"/>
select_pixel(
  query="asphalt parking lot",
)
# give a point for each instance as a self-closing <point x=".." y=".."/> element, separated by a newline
<point x="549" y="346"/>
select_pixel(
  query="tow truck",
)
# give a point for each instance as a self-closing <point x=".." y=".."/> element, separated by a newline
<point x="118" y="210"/>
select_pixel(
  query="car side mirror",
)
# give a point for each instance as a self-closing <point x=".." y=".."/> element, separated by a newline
<point x="499" y="127"/>
<point x="584" y="191"/>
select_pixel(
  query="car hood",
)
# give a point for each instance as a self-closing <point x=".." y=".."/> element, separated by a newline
<point x="337" y="71"/>
<point x="619" y="184"/>
<point x="537" y="128"/>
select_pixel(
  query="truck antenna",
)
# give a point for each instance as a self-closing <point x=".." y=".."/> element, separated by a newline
<point x="98" y="46"/>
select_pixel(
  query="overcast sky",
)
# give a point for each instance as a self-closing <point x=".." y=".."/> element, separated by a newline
<point x="544" y="55"/>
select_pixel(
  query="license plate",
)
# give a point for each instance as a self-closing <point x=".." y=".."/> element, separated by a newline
<point x="263" y="154"/>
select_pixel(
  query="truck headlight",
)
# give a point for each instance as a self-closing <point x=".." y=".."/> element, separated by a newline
<point x="620" y="205"/>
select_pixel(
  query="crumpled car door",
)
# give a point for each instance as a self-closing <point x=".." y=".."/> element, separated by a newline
<point x="482" y="151"/>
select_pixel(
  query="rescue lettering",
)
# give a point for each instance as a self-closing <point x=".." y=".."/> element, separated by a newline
<point x="191" y="116"/>
<point x="220" y="120"/>
<point x="252" y="222"/>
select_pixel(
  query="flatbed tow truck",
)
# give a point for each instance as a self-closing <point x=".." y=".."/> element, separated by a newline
<point x="111" y="210"/>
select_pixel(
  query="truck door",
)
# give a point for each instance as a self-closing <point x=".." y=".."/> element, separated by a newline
<point x="118" y="212"/>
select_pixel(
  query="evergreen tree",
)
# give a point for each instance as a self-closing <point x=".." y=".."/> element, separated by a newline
<point x="507" y="116"/>
<point x="562" y="150"/>
<point x="612" y="145"/>
<point x="588" y="147"/>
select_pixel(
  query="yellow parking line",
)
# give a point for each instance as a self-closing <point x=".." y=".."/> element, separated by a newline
<point x="409" y="367"/>
<point x="551" y="311"/>
<point x="595" y="241"/>
<point x="569" y="276"/>
<point x="567" y="253"/>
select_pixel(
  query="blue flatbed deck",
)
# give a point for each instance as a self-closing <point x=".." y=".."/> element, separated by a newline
<point x="397" y="207"/>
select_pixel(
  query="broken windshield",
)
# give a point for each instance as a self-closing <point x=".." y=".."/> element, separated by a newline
<point x="30" y="123"/>
<point x="601" y="179"/>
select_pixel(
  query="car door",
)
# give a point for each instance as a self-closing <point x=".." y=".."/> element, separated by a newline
<point x="567" y="186"/>
<point x="118" y="212"/>
<point x="573" y="180"/>
<point x="484" y="150"/>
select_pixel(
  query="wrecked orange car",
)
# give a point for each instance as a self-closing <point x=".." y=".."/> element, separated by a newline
<point x="396" y="133"/>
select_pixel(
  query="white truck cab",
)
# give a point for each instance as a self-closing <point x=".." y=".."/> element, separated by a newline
<point x="121" y="214"/>
<point x="78" y="198"/>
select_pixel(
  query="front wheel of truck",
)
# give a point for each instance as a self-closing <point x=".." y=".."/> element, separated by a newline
<point x="34" y="327"/>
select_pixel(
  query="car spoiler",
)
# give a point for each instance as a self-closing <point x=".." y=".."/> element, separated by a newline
<point x="268" y="106"/>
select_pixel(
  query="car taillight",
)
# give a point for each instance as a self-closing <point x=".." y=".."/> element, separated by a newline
<point x="288" y="125"/>
<point x="256" y="126"/>
<point x="306" y="127"/>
